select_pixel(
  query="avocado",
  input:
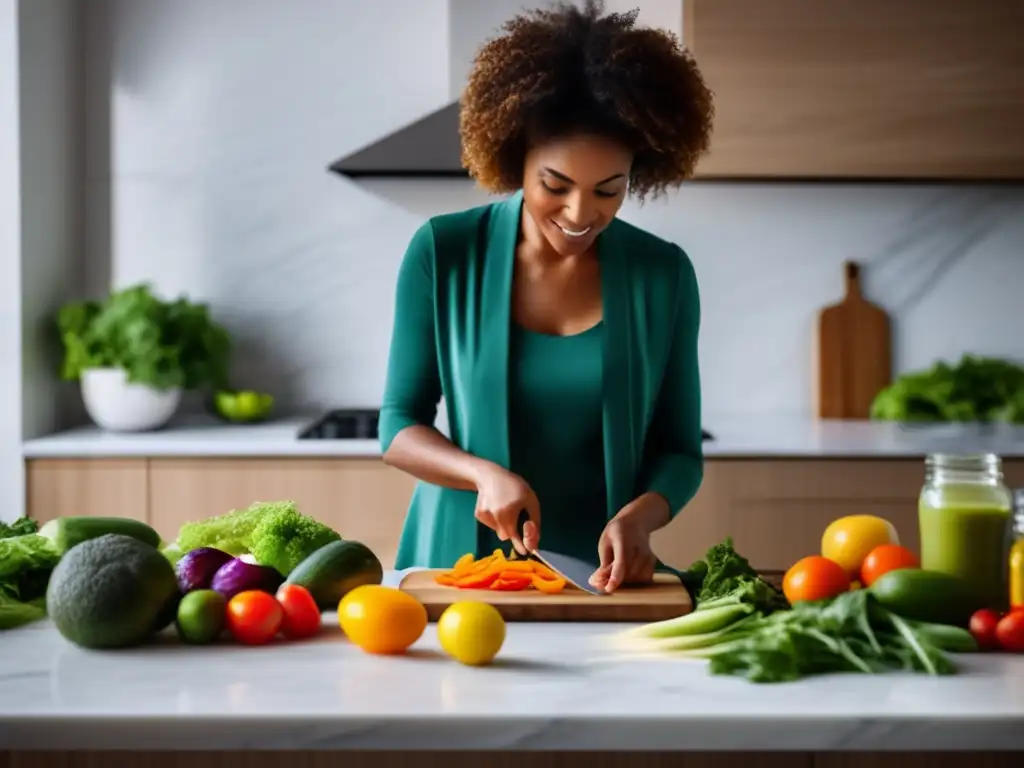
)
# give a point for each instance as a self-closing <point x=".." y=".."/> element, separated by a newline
<point x="336" y="569"/>
<point x="112" y="591"/>
<point x="929" y="596"/>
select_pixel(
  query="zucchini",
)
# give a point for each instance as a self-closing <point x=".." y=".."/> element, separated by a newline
<point x="336" y="569"/>
<point x="66" y="532"/>
<point x="932" y="597"/>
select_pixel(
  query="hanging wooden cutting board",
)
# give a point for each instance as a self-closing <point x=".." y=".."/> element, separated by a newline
<point x="666" y="598"/>
<point x="853" y="353"/>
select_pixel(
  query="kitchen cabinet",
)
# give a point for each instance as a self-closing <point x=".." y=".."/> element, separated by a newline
<point x="919" y="89"/>
<point x="94" y="487"/>
<point x="776" y="509"/>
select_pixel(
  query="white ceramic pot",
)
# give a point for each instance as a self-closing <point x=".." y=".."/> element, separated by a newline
<point x="118" y="405"/>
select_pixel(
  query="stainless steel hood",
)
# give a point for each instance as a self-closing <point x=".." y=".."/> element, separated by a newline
<point x="429" y="147"/>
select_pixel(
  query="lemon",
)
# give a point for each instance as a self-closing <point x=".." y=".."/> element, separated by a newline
<point x="471" y="632"/>
<point x="849" y="540"/>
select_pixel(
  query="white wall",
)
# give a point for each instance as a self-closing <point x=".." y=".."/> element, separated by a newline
<point x="51" y="199"/>
<point x="40" y="215"/>
<point x="222" y="117"/>
<point x="11" y="475"/>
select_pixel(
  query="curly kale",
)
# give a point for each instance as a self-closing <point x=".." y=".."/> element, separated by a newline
<point x="283" y="538"/>
<point x="275" y="533"/>
<point x="725" y="576"/>
<point x="230" y="532"/>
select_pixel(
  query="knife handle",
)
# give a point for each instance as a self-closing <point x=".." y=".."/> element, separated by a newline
<point x="524" y="517"/>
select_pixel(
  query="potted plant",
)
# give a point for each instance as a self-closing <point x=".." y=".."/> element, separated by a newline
<point x="134" y="354"/>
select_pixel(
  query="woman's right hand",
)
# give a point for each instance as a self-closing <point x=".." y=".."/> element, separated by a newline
<point x="501" y="496"/>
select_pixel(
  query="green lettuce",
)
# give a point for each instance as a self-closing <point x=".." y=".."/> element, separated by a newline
<point x="26" y="563"/>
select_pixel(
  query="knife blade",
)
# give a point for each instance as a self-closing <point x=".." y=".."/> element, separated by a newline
<point x="575" y="571"/>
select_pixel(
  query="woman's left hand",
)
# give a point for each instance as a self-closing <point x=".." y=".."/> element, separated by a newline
<point x="625" y="545"/>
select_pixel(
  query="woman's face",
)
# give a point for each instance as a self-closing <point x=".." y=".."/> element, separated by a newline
<point x="573" y="188"/>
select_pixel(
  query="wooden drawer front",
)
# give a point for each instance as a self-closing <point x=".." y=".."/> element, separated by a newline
<point x="95" y="487"/>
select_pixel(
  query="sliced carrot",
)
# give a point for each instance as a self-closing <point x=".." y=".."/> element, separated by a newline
<point x="548" y="586"/>
<point x="500" y="572"/>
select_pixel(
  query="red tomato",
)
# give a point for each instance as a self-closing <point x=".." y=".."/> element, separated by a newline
<point x="814" y="578"/>
<point x="301" y="615"/>
<point x="254" y="617"/>
<point x="885" y="558"/>
<point x="983" y="627"/>
<point x="1010" y="632"/>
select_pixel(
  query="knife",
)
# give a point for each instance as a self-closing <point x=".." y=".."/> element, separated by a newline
<point x="575" y="571"/>
<point x="578" y="572"/>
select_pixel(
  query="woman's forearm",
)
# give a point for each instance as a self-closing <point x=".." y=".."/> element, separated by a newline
<point x="427" y="455"/>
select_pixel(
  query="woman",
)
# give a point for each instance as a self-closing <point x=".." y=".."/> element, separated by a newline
<point x="563" y="340"/>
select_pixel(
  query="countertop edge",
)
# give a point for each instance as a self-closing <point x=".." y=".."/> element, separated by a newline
<point x="539" y="733"/>
<point x="733" y="437"/>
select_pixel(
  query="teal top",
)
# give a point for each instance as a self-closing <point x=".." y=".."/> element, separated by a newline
<point x="453" y="338"/>
<point x="555" y="402"/>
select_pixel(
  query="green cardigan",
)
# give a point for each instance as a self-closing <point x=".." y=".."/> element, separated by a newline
<point x="451" y="340"/>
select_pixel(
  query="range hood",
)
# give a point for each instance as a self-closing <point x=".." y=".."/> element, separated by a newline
<point x="429" y="147"/>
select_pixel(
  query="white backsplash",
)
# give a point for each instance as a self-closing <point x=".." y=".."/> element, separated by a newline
<point x="222" y="118"/>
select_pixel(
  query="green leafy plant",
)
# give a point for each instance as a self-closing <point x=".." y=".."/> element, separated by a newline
<point x="164" y="344"/>
<point x="975" y="389"/>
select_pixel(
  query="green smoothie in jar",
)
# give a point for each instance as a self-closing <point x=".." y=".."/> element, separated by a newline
<point x="964" y="518"/>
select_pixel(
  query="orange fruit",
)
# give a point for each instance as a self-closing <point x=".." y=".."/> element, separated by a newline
<point x="381" y="619"/>
<point x="814" y="578"/>
<point x="887" y="557"/>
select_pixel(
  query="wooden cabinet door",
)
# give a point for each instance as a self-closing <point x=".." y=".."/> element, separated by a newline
<point x="776" y="510"/>
<point x="94" y="487"/>
<point x="362" y="499"/>
<point x="915" y="89"/>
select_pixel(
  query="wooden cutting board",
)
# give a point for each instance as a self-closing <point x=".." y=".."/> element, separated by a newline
<point x="853" y="353"/>
<point x="666" y="598"/>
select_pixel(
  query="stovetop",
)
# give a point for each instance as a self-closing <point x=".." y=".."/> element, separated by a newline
<point x="359" y="424"/>
<point x="343" y="424"/>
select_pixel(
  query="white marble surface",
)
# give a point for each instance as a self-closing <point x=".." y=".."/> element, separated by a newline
<point x="734" y="437"/>
<point x="555" y="686"/>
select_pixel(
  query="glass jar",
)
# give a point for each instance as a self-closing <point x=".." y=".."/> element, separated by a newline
<point x="964" y="517"/>
<point x="1016" y="563"/>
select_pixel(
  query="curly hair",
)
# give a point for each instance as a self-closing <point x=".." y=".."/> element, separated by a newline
<point x="564" y="70"/>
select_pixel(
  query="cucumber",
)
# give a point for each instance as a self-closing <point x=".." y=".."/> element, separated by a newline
<point x="66" y="532"/>
<point x="336" y="569"/>
<point x="929" y="596"/>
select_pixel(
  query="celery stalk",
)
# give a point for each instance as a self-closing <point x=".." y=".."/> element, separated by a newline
<point x="699" y="622"/>
<point x="710" y="651"/>
<point x="734" y="631"/>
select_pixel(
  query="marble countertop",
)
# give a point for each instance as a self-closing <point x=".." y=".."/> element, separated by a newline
<point x="554" y="687"/>
<point x="735" y="436"/>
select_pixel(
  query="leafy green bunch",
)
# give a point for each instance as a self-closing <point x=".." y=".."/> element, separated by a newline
<point x="164" y="344"/>
<point x="26" y="561"/>
<point x="745" y="627"/>
<point x="975" y="389"/>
